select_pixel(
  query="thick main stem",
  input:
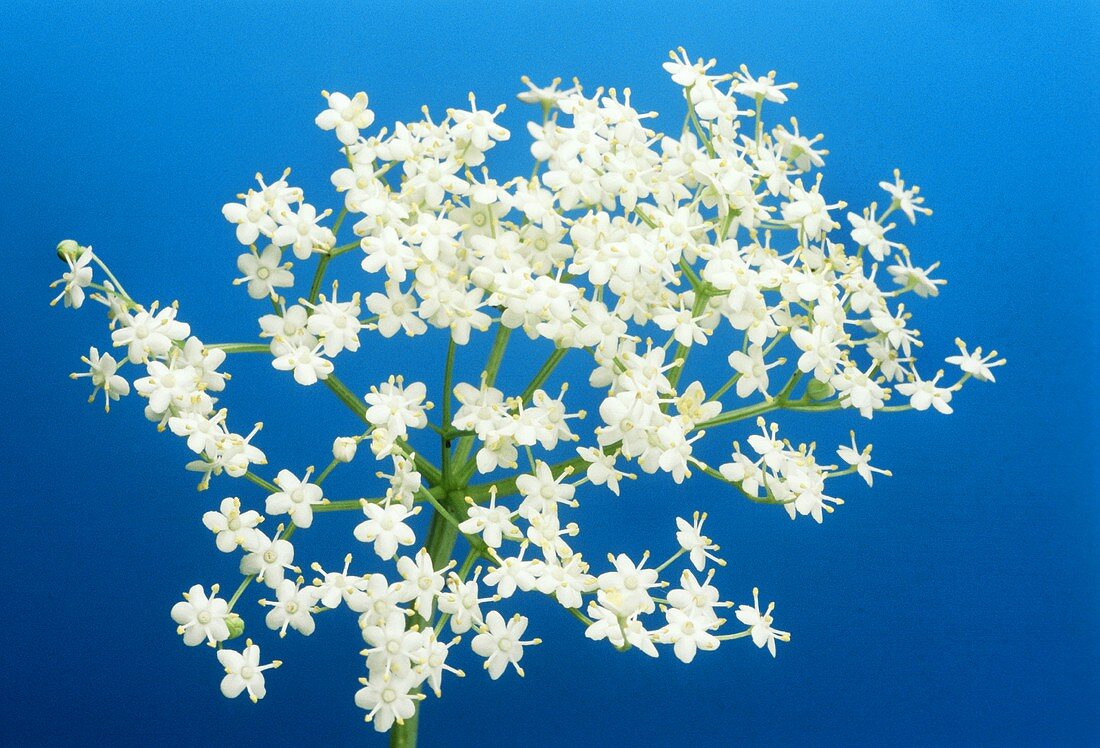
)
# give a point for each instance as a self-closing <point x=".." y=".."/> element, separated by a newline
<point x="442" y="534"/>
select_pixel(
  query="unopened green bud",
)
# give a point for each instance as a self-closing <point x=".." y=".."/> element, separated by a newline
<point x="818" y="390"/>
<point x="235" y="624"/>
<point x="69" y="248"/>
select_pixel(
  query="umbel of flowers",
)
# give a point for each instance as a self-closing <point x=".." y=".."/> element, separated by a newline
<point x="625" y="249"/>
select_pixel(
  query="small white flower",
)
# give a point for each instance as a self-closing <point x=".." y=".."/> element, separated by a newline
<point x="501" y="643"/>
<point x="296" y="498"/>
<point x="760" y="624"/>
<point x="385" y="527"/>
<point x="243" y="672"/>
<point x="201" y="618"/>
<point x="103" y="371"/>
<point x="263" y="273"/>
<point x="76" y="278"/>
<point x="346" y="116"/>
<point x="861" y="460"/>
<point x="231" y="526"/>
<point x="292" y="607"/>
<point x="691" y="538"/>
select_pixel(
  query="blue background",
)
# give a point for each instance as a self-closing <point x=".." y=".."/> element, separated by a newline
<point x="957" y="601"/>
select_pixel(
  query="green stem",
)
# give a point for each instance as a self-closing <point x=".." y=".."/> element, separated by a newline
<point x="241" y="347"/>
<point x="359" y="407"/>
<point x="544" y="373"/>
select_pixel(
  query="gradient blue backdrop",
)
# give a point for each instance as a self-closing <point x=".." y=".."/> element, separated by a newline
<point x="956" y="602"/>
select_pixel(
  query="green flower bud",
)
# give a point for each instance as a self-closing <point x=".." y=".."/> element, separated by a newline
<point x="818" y="390"/>
<point x="69" y="248"/>
<point x="235" y="624"/>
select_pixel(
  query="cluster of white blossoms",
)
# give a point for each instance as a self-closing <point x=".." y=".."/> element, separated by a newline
<point x="624" y="246"/>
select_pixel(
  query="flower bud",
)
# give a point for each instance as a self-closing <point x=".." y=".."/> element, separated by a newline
<point x="235" y="624"/>
<point x="343" y="449"/>
<point x="818" y="390"/>
<point x="69" y="248"/>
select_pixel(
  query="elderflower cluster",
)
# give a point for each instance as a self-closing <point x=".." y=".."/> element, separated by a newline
<point x="626" y="249"/>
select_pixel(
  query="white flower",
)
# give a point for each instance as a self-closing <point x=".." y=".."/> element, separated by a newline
<point x="760" y="624"/>
<point x="972" y="363"/>
<point x="462" y="603"/>
<point x="905" y="198"/>
<point x="687" y="632"/>
<point x="698" y="546"/>
<point x="860" y="460"/>
<point x="302" y="232"/>
<point x="396" y="311"/>
<point x="102" y="369"/>
<point x="422" y="582"/>
<point x="500" y="643"/>
<point x="923" y="394"/>
<point x="385" y="527"/>
<point x="263" y="273"/>
<point x="231" y="526"/>
<point x="268" y="559"/>
<point x="308" y="364"/>
<point x="77" y="277"/>
<point x="201" y="618"/>
<point x="296" y="498"/>
<point x="492" y="522"/>
<point x="753" y="371"/>
<point x="244" y="672"/>
<point x="344" y="448"/>
<point x="396" y="407"/>
<point x="149" y="334"/>
<point x="626" y="590"/>
<point x="292" y="608"/>
<point x="346" y="116"/>
<point x="336" y="323"/>
<point x="387" y="701"/>
<point x="252" y="217"/>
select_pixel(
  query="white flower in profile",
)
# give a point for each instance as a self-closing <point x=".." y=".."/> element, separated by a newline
<point x="263" y="273"/>
<point x="77" y="277"/>
<point x="102" y="369"/>
<point x="973" y="363"/>
<point x="231" y="526"/>
<point x="760" y="624"/>
<point x="347" y="116"/>
<point x="386" y="527"/>
<point x="697" y="545"/>
<point x="547" y="96"/>
<point x="243" y="672"/>
<point x="201" y="618"/>
<point x="297" y="497"/>
<point x="905" y="199"/>
<point x="501" y="643"/>
<point x="860" y="460"/>
<point x="763" y="87"/>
